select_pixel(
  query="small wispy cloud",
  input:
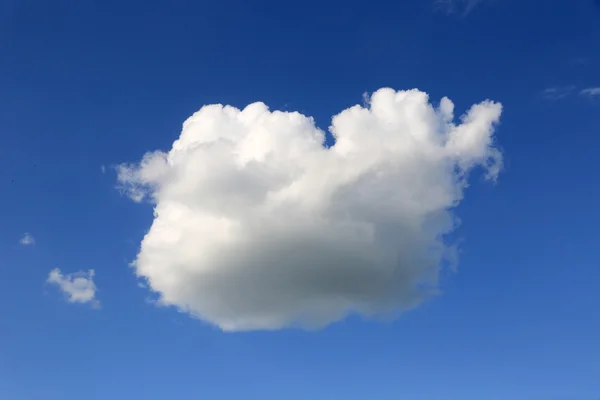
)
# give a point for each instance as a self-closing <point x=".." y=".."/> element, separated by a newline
<point x="79" y="287"/>
<point x="27" y="240"/>
<point x="591" y="91"/>
<point x="460" y="7"/>
<point x="557" y="92"/>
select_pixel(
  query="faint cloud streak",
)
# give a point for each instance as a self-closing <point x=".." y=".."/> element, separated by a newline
<point x="591" y="92"/>
<point x="461" y="7"/>
<point x="558" y="92"/>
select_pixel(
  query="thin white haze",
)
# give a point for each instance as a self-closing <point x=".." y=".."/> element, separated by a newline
<point x="257" y="225"/>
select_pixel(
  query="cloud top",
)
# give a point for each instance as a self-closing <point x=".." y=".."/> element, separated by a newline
<point x="79" y="287"/>
<point x="257" y="225"/>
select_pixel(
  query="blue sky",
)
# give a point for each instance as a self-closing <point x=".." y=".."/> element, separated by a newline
<point x="90" y="84"/>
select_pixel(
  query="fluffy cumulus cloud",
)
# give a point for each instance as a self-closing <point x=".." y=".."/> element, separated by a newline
<point x="79" y="287"/>
<point x="27" y="240"/>
<point x="259" y="225"/>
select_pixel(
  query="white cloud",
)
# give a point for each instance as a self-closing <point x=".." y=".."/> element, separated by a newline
<point x="79" y="287"/>
<point x="258" y="226"/>
<point x="593" y="91"/>
<point x="27" y="240"/>
<point x="462" y="7"/>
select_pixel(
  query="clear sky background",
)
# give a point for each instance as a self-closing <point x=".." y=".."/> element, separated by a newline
<point x="86" y="84"/>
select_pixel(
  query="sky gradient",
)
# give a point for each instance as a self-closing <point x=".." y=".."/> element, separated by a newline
<point x="86" y="86"/>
